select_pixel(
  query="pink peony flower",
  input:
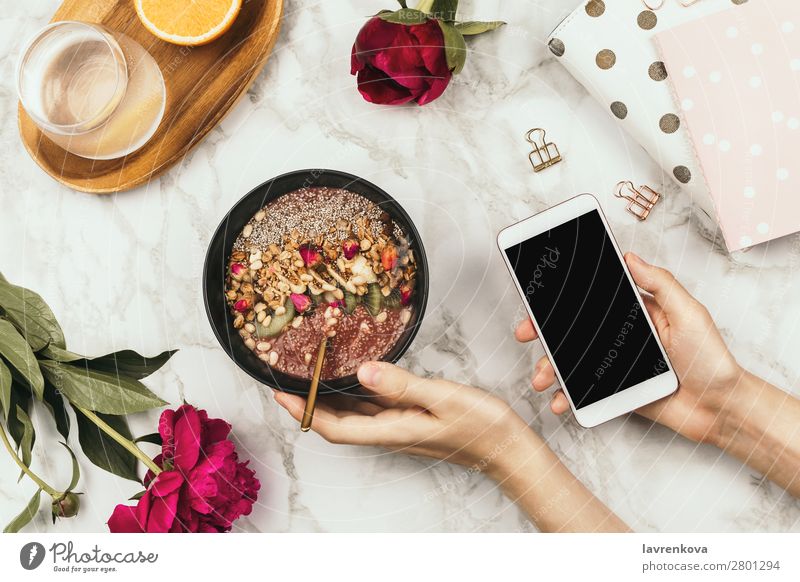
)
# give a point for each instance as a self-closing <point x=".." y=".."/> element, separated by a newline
<point x="405" y="295"/>
<point x="311" y="256"/>
<point x="203" y="488"/>
<point x="238" y="270"/>
<point x="301" y="302"/>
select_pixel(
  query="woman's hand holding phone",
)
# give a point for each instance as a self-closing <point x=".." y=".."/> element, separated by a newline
<point x="718" y="402"/>
<point x="706" y="368"/>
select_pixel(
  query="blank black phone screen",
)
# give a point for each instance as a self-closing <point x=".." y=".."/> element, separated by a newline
<point x="587" y="310"/>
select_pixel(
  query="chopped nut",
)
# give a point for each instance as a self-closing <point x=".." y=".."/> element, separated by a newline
<point x="381" y="317"/>
<point x="405" y="316"/>
<point x="250" y="328"/>
<point x="365" y="245"/>
<point x="307" y="358"/>
<point x="256" y="265"/>
<point x="297" y="321"/>
<point x="273" y="358"/>
<point x="259" y="307"/>
<point x="263" y="346"/>
<point x="261" y="316"/>
<point x="331" y="321"/>
<point x="332" y="333"/>
<point x="247" y="231"/>
<point x="260" y="215"/>
<point x="250" y="343"/>
<point x="280" y="310"/>
<point x="238" y="321"/>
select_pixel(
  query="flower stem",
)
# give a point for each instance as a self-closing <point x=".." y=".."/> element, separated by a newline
<point x="128" y="444"/>
<point x="425" y="6"/>
<point x="34" y="477"/>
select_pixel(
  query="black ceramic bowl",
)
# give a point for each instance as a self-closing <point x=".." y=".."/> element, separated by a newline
<point x="219" y="251"/>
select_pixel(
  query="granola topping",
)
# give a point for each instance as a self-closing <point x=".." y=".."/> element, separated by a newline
<point x="321" y="262"/>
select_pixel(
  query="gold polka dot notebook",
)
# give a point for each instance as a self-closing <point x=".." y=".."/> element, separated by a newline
<point x="609" y="47"/>
<point x="740" y="95"/>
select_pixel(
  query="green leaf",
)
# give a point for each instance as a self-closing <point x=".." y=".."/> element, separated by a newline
<point x="137" y="496"/>
<point x="444" y="10"/>
<point x="455" y="47"/>
<point x="26" y="516"/>
<point x="104" y="451"/>
<point x="404" y="16"/>
<point x="53" y="352"/>
<point x="5" y="388"/>
<point x="129" y="363"/>
<point x="28" y="438"/>
<point x="31" y="315"/>
<point x="76" y="469"/>
<point x="153" y="438"/>
<point x="20" y="396"/>
<point x="18" y="354"/>
<point x="93" y="390"/>
<point x="54" y="402"/>
<point x="472" y="28"/>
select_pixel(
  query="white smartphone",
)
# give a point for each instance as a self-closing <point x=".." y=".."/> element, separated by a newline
<point x="587" y="310"/>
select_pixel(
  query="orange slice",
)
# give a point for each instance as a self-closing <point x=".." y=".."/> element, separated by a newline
<point x="188" y="22"/>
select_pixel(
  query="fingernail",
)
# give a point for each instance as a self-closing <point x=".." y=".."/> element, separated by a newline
<point x="368" y="374"/>
<point x="637" y="259"/>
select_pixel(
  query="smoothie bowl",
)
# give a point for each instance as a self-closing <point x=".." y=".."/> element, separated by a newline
<point x="310" y="255"/>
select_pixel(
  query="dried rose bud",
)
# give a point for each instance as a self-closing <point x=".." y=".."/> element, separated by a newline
<point x="389" y="258"/>
<point x="237" y="270"/>
<point x="350" y="248"/>
<point x="242" y="305"/>
<point x="301" y="302"/>
<point x="311" y="256"/>
<point x="405" y="295"/>
<point x="66" y="506"/>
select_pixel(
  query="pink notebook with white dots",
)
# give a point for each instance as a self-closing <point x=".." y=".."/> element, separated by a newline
<point x="736" y="77"/>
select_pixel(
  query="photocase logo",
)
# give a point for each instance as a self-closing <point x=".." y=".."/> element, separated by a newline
<point x="31" y="555"/>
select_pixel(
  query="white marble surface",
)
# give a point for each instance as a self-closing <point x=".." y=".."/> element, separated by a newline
<point x="124" y="271"/>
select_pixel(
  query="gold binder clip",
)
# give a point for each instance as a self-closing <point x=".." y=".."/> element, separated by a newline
<point x="640" y="201"/>
<point x="543" y="154"/>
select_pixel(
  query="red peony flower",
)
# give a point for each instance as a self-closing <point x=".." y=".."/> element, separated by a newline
<point x="203" y="488"/>
<point x="412" y="53"/>
<point x="400" y="63"/>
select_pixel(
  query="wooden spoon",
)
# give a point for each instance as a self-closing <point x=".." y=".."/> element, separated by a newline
<point x="311" y="403"/>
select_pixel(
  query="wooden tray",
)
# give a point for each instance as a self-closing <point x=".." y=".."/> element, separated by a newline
<point x="203" y="83"/>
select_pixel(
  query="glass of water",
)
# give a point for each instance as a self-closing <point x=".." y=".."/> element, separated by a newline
<point x="96" y="93"/>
